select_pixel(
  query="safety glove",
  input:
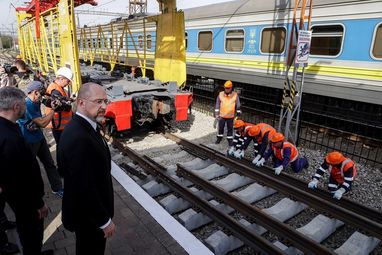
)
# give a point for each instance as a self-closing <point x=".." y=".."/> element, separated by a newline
<point x="338" y="194"/>
<point x="260" y="162"/>
<point x="256" y="159"/>
<point x="278" y="169"/>
<point x="231" y="151"/>
<point x="313" y="184"/>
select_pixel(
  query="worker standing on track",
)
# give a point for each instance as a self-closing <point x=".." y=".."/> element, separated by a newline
<point x="56" y="88"/>
<point x="241" y="139"/>
<point x="227" y="103"/>
<point x="342" y="172"/>
<point x="260" y="134"/>
<point x="283" y="153"/>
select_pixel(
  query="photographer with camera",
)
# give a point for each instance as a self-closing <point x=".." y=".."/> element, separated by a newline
<point x="7" y="77"/>
<point x="31" y="126"/>
<point x="63" y="115"/>
<point x="23" y="76"/>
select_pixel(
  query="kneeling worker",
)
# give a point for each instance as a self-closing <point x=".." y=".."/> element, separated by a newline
<point x="342" y="173"/>
<point x="260" y="134"/>
<point x="283" y="153"/>
<point x="241" y="140"/>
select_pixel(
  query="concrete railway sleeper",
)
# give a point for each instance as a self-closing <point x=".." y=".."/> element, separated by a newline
<point x="347" y="212"/>
<point x="220" y="242"/>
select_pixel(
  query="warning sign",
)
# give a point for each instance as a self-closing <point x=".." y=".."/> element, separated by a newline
<point x="303" y="47"/>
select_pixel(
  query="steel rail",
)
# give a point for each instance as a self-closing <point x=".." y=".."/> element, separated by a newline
<point x="302" y="242"/>
<point x="343" y="202"/>
<point x="308" y="197"/>
<point x="250" y="238"/>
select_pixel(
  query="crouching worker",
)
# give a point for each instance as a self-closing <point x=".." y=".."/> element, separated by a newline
<point x="283" y="153"/>
<point x="260" y="134"/>
<point x="342" y="172"/>
<point x="241" y="140"/>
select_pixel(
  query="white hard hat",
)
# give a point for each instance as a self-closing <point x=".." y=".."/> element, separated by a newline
<point x="66" y="72"/>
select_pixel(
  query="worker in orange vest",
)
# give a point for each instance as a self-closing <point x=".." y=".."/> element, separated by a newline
<point x="261" y="135"/>
<point x="240" y="140"/>
<point x="227" y="105"/>
<point x="342" y="172"/>
<point x="63" y="114"/>
<point x="283" y="153"/>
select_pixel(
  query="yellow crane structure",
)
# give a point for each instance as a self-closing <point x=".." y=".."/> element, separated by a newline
<point x="49" y="39"/>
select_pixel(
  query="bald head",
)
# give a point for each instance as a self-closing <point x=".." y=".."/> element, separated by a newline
<point x="91" y="101"/>
<point x="88" y="89"/>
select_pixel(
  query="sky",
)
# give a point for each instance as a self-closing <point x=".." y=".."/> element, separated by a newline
<point x="8" y="17"/>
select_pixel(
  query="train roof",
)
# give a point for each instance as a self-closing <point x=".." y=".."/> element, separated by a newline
<point x="240" y="7"/>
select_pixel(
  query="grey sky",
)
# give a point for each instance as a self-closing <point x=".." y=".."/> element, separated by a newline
<point x="8" y="17"/>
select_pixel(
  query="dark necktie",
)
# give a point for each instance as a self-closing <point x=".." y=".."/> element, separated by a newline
<point x="98" y="130"/>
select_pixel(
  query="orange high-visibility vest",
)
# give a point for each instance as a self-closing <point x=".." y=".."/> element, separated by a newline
<point x="338" y="172"/>
<point x="227" y="104"/>
<point x="60" y="119"/>
<point x="279" y="151"/>
<point x="264" y="128"/>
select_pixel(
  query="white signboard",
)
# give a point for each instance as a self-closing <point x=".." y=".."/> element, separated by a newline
<point x="303" y="47"/>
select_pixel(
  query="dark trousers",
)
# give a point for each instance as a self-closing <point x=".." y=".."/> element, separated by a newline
<point x="41" y="150"/>
<point x="57" y="135"/>
<point x="296" y="165"/>
<point x="229" y="123"/>
<point x="89" y="240"/>
<point x="3" y="218"/>
<point x="29" y="227"/>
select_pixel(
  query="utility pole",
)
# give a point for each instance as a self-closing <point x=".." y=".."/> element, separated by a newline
<point x="298" y="53"/>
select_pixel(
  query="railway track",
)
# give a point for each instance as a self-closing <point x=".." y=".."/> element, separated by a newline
<point x="226" y="191"/>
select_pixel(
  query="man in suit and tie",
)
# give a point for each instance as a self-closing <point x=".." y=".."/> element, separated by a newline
<point x="83" y="158"/>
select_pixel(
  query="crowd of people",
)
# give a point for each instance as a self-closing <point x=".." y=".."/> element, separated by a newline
<point x="82" y="176"/>
<point x="268" y="143"/>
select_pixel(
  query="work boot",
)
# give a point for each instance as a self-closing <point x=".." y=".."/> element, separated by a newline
<point x="230" y="142"/>
<point x="9" y="248"/>
<point x="218" y="140"/>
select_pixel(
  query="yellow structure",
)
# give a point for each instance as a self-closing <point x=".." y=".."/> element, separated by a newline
<point x="49" y="40"/>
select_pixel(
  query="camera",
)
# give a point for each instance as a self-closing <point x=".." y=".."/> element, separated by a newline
<point x="9" y="69"/>
<point x="64" y="103"/>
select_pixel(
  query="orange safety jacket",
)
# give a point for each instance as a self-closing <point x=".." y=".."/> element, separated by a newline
<point x="278" y="152"/>
<point x="338" y="172"/>
<point x="227" y="104"/>
<point x="60" y="119"/>
<point x="264" y="128"/>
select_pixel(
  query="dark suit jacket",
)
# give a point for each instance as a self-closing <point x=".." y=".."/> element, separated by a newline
<point x="20" y="176"/>
<point x="85" y="162"/>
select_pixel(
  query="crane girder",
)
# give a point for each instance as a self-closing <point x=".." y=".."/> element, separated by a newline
<point x="167" y="6"/>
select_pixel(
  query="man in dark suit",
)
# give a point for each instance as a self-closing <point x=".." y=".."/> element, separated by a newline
<point x="20" y="178"/>
<point x="83" y="158"/>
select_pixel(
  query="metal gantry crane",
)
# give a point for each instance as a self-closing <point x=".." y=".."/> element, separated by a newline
<point x="293" y="85"/>
<point x="48" y="40"/>
<point x="137" y="6"/>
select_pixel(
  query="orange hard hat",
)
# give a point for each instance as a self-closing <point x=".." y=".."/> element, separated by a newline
<point x="238" y="123"/>
<point x="254" y="131"/>
<point x="277" y="137"/>
<point x="334" y="158"/>
<point x="228" y="84"/>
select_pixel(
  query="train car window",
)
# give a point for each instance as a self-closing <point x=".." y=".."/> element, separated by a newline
<point x="148" y="42"/>
<point x="186" y="39"/>
<point x="273" y="40"/>
<point x="140" y="41"/>
<point x="326" y="40"/>
<point x="205" y="41"/>
<point x="377" y="47"/>
<point x="234" y="40"/>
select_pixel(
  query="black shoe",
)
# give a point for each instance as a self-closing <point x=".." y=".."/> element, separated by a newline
<point x="7" y="225"/>
<point x="9" y="248"/>
<point x="47" y="252"/>
<point x="218" y="140"/>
